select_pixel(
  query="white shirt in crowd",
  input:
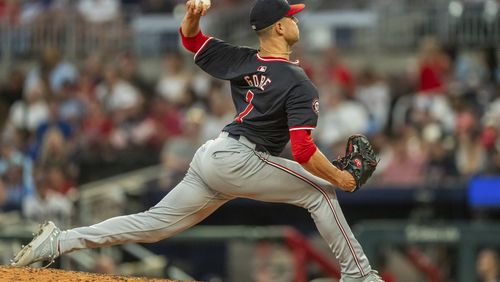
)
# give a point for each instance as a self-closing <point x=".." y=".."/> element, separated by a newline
<point x="99" y="11"/>
<point x="24" y="116"/>
<point x="347" y="118"/>
<point x="173" y="87"/>
<point x="54" y="207"/>
<point x="121" y="96"/>
<point x="376" y="99"/>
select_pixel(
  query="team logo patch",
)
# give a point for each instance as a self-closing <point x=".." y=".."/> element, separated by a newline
<point x="262" y="69"/>
<point x="315" y="106"/>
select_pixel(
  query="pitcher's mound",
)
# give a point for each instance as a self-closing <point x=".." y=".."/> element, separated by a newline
<point x="16" y="274"/>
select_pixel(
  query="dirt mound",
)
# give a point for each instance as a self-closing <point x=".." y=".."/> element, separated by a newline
<point x="15" y="274"/>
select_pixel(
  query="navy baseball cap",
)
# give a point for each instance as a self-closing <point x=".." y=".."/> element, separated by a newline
<point x="266" y="12"/>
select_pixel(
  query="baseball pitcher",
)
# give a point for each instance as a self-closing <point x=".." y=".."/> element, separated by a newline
<point x="275" y="102"/>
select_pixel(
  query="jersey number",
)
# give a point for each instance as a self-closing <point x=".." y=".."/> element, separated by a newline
<point x="248" y="109"/>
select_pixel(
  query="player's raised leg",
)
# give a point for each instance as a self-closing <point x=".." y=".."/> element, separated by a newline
<point x="235" y="169"/>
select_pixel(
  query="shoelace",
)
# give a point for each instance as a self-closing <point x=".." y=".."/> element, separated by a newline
<point x="53" y="255"/>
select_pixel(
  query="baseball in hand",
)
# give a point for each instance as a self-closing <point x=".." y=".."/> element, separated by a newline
<point x="205" y="3"/>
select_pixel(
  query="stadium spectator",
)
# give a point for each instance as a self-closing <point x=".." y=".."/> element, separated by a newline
<point x="338" y="72"/>
<point x="488" y="266"/>
<point x="27" y="114"/>
<point x="92" y="69"/>
<point x="129" y="71"/>
<point x="340" y="117"/>
<point x="174" y="82"/>
<point x="60" y="179"/>
<point x="219" y="113"/>
<point x="441" y="168"/>
<point x="46" y="204"/>
<point x="96" y="128"/>
<point x="52" y="72"/>
<point x="470" y="154"/>
<point x="17" y="183"/>
<point x="10" y="92"/>
<point x="163" y="122"/>
<point x="53" y="121"/>
<point x="433" y="68"/>
<point x="99" y="11"/>
<point x="120" y="99"/>
<point x="54" y="149"/>
<point x="32" y="10"/>
<point x="9" y="11"/>
<point x="71" y="107"/>
<point x="402" y="162"/>
<point x="374" y="94"/>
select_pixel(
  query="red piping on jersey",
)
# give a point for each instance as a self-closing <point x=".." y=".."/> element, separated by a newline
<point x="302" y="127"/>
<point x="302" y="145"/>
<point x="195" y="43"/>
<point x="275" y="59"/>
<point x="202" y="46"/>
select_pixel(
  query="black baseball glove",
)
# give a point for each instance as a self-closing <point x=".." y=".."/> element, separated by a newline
<point x="359" y="160"/>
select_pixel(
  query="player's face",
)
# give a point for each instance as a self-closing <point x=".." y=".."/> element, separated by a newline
<point x="292" y="34"/>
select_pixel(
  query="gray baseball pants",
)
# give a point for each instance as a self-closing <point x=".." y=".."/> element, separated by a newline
<point x="221" y="170"/>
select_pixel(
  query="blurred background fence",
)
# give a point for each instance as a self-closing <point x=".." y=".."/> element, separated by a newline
<point x="368" y="27"/>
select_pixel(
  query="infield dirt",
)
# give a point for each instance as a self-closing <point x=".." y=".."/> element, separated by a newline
<point x="15" y="274"/>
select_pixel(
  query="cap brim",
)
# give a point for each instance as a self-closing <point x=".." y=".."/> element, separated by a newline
<point x="294" y="9"/>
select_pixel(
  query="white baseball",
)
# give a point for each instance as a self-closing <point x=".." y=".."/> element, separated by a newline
<point x="206" y="3"/>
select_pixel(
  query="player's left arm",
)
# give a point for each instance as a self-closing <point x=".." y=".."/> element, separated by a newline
<point x="302" y="108"/>
<point x="306" y="153"/>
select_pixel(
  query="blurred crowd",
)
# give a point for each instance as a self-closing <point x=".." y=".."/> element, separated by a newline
<point x="94" y="11"/>
<point x="435" y="122"/>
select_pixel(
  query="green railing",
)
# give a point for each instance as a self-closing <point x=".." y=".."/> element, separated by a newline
<point x="465" y="238"/>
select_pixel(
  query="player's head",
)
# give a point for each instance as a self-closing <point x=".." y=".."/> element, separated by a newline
<point x="276" y="17"/>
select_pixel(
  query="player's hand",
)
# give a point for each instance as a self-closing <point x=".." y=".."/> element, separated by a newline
<point x="346" y="181"/>
<point x="195" y="11"/>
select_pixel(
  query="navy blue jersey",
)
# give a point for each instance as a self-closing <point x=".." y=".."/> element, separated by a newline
<point x="271" y="95"/>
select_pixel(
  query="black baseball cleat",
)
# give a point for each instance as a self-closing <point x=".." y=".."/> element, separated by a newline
<point x="44" y="246"/>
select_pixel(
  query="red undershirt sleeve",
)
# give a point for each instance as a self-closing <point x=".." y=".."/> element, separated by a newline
<point x="194" y="43"/>
<point x="303" y="146"/>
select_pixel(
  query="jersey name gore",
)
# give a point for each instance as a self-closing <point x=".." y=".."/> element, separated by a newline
<point x="258" y="80"/>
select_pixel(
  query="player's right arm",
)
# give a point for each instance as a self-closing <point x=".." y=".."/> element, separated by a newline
<point x="190" y="26"/>
<point x="216" y="57"/>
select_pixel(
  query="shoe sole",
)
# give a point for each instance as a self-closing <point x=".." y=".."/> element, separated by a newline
<point x="41" y="236"/>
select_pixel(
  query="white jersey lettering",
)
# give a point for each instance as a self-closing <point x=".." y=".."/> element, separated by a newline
<point x="258" y="81"/>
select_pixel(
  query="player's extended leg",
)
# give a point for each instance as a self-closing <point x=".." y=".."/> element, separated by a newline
<point x="187" y="204"/>
<point x="241" y="172"/>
